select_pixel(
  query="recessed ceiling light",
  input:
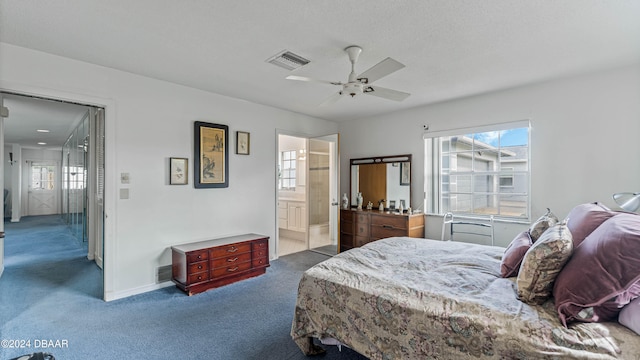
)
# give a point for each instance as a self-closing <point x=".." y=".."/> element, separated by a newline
<point x="42" y="143"/>
<point x="42" y="130"/>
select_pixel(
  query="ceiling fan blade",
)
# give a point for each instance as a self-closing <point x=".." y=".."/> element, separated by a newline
<point x="332" y="99"/>
<point x="380" y="70"/>
<point x="386" y="93"/>
<point x="304" y="78"/>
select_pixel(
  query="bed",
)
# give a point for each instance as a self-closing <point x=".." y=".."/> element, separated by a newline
<point x="408" y="298"/>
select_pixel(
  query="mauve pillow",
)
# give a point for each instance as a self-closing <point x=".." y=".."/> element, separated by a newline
<point x="512" y="257"/>
<point x="603" y="275"/>
<point x="542" y="224"/>
<point x="585" y="218"/>
<point x="630" y="315"/>
<point x="542" y="263"/>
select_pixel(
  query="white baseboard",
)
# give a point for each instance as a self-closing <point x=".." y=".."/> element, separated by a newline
<point x="110" y="296"/>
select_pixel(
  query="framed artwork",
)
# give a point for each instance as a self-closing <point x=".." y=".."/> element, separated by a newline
<point x="178" y="171"/>
<point x="405" y="173"/>
<point x="211" y="159"/>
<point x="243" y="144"/>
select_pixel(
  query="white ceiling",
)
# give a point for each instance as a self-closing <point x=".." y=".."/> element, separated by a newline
<point x="451" y="48"/>
<point x="28" y="115"/>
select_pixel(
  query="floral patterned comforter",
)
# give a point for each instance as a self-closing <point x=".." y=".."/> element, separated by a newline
<point x="407" y="298"/>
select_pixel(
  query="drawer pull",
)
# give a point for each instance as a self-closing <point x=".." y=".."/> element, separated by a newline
<point x="232" y="269"/>
<point x="199" y="256"/>
<point x="232" y="249"/>
<point x="199" y="266"/>
<point x="199" y="277"/>
<point x="233" y="260"/>
<point x="387" y="226"/>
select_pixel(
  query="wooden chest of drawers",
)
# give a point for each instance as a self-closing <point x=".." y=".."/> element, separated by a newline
<point x="358" y="227"/>
<point x="204" y="265"/>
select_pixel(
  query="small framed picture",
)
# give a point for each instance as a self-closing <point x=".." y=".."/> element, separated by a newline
<point x="178" y="171"/>
<point x="242" y="143"/>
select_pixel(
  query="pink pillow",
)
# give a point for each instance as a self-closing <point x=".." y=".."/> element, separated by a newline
<point x="630" y="315"/>
<point x="585" y="218"/>
<point x="512" y="257"/>
<point x="603" y="275"/>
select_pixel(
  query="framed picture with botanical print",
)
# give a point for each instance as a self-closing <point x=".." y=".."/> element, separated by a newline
<point x="178" y="171"/>
<point x="242" y="143"/>
<point x="211" y="158"/>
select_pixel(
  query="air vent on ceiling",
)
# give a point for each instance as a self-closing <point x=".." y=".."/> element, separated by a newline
<point x="288" y="60"/>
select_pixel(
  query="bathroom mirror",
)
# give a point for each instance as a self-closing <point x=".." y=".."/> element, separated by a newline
<point x="382" y="177"/>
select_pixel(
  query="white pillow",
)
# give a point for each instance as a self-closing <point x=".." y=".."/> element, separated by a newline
<point x="630" y="315"/>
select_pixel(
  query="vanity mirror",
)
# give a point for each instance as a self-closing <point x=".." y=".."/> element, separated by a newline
<point x="382" y="177"/>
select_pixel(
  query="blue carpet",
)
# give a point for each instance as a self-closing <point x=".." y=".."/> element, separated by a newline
<point x="50" y="294"/>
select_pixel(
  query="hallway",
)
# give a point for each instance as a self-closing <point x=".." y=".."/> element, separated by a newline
<point x="41" y="253"/>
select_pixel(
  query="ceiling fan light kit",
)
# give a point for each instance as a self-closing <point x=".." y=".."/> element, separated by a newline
<point x="362" y="84"/>
<point x="352" y="88"/>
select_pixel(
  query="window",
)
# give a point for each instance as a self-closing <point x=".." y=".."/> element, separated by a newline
<point x="288" y="170"/>
<point x="74" y="177"/>
<point x="479" y="172"/>
<point x="506" y="179"/>
<point x="42" y="177"/>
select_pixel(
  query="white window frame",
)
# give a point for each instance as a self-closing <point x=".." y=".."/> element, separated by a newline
<point x="292" y="174"/>
<point x="433" y="202"/>
<point x="43" y="180"/>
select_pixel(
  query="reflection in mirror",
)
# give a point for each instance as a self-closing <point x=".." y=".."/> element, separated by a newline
<point x="385" y="178"/>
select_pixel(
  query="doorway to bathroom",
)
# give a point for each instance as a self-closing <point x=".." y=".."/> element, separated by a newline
<point x="307" y="194"/>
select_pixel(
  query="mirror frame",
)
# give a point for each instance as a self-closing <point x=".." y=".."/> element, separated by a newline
<point x="378" y="160"/>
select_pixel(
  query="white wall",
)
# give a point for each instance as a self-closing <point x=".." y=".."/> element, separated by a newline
<point x="148" y="121"/>
<point x="584" y="140"/>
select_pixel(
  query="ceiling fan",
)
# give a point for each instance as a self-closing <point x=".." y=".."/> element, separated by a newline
<point x="363" y="83"/>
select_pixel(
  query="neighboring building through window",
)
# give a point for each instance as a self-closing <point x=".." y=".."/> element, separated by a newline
<point x="288" y="170"/>
<point x="479" y="172"/>
<point x="506" y="180"/>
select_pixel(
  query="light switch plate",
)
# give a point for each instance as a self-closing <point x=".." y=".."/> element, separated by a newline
<point x="124" y="178"/>
<point x="124" y="193"/>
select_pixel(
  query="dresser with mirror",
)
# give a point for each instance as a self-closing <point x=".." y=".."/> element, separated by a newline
<point x="382" y="180"/>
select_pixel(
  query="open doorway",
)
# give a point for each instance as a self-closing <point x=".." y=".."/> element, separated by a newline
<point x="292" y="195"/>
<point x="54" y="150"/>
<point x="307" y="188"/>
<point x="323" y="194"/>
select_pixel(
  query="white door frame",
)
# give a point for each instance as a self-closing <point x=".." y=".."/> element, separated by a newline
<point x="2" y="162"/>
<point x="334" y="183"/>
<point x="110" y="180"/>
<point x="333" y="189"/>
